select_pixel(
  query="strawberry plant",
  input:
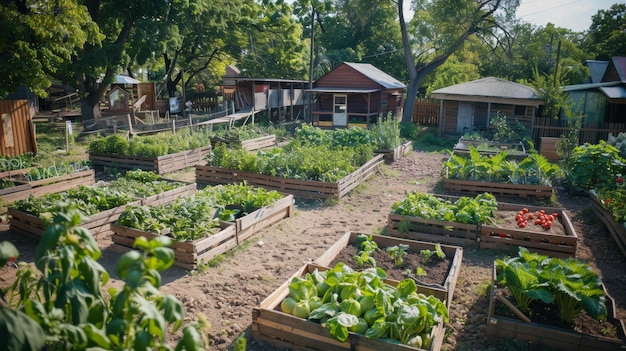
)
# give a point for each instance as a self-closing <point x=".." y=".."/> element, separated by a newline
<point x="59" y="302"/>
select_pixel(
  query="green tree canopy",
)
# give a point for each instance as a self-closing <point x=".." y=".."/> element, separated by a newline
<point x="37" y="38"/>
<point x="607" y="33"/>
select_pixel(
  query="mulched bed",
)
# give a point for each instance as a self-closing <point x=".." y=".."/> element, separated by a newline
<point x="436" y="269"/>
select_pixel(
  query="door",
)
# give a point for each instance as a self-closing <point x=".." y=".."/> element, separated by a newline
<point x="465" y="117"/>
<point x="340" y="111"/>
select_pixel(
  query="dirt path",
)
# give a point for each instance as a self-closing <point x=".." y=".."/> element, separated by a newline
<point x="227" y="293"/>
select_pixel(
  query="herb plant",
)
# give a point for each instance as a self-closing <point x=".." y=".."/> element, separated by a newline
<point x="397" y="253"/>
<point x="60" y="303"/>
<point x="427" y="254"/>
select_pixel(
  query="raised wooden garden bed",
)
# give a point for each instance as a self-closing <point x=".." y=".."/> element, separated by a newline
<point x="159" y="164"/>
<point x="443" y="292"/>
<point x="551" y="243"/>
<point x="98" y="224"/>
<point x="507" y="328"/>
<point x="284" y="331"/>
<point x="52" y="185"/>
<point x="299" y="188"/>
<point x="465" y="187"/>
<point x="189" y="255"/>
<point x="391" y="156"/>
<point x="616" y="229"/>
<point x="422" y="229"/>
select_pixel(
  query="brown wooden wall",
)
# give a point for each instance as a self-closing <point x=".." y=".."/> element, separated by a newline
<point x="16" y="130"/>
<point x="346" y="77"/>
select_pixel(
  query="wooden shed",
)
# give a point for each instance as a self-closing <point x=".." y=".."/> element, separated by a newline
<point x="17" y="130"/>
<point x="469" y="106"/>
<point x="355" y="94"/>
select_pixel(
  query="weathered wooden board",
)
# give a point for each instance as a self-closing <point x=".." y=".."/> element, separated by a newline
<point x="443" y="292"/>
<point x="616" y="229"/>
<point x="465" y="187"/>
<point x="188" y="255"/>
<point x="48" y="186"/>
<point x="421" y="229"/>
<point x="159" y="165"/>
<point x="283" y="330"/>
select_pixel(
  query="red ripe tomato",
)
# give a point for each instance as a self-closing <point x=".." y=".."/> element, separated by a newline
<point x="550" y="218"/>
<point x="518" y="217"/>
<point x="525" y="210"/>
<point x="529" y="216"/>
<point x="555" y="215"/>
<point x="522" y="225"/>
<point x="547" y="225"/>
<point x="537" y="221"/>
<point x="502" y="235"/>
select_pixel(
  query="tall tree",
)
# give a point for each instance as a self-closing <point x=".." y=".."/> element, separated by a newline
<point x="607" y="33"/>
<point x="275" y="48"/>
<point x="37" y="37"/>
<point x="96" y="64"/>
<point x="440" y="28"/>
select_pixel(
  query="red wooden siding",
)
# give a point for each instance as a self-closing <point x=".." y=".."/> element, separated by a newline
<point x="346" y="77"/>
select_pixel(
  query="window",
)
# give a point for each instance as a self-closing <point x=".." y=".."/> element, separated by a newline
<point x="520" y="111"/>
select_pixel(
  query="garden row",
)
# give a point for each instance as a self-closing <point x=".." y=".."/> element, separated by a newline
<point x="395" y="294"/>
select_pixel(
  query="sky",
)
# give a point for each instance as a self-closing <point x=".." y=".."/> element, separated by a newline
<point x="571" y="14"/>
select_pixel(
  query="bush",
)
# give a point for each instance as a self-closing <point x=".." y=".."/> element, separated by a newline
<point x="594" y="166"/>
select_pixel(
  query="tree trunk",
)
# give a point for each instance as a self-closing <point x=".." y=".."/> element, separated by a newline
<point x="89" y="110"/>
<point x="409" y="103"/>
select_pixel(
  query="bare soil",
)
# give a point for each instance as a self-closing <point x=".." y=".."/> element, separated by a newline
<point x="228" y="292"/>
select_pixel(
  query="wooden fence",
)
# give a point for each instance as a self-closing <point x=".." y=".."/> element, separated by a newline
<point x="590" y="132"/>
<point x="16" y="129"/>
<point x="426" y="112"/>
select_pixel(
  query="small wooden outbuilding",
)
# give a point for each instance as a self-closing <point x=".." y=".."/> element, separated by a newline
<point x="470" y="106"/>
<point x="355" y="94"/>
